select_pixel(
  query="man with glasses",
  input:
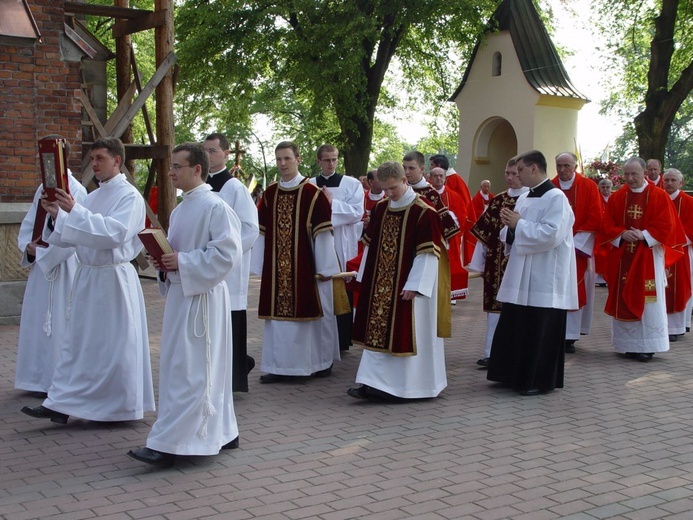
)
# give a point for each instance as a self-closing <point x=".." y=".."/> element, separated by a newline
<point x="641" y="223"/>
<point x="217" y="147"/>
<point x="196" y="414"/>
<point x="346" y="199"/>
<point x="539" y="285"/>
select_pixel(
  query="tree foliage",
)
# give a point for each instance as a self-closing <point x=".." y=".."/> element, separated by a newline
<point x="651" y="42"/>
<point x="321" y="64"/>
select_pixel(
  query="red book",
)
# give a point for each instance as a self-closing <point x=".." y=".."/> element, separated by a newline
<point x="155" y="242"/>
<point x="53" y="166"/>
<point x="39" y="222"/>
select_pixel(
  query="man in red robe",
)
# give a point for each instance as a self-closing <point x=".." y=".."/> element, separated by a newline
<point x="654" y="172"/>
<point x="641" y="224"/>
<point x="483" y="197"/>
<point x="459" y="278"/>
<point x="601" y="251"/>
<point x="455" y="182"/>
<point x="584" y="199"/>
<point x="679" y="302"/>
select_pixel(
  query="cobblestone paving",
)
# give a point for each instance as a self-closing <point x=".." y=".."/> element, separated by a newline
<point x="616" y="442"/>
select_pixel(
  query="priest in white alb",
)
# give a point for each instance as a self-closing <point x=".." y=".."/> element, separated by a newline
<point x="103" y="371"/>
<point x="42" y="326"/>
<point x="196" y="413"/>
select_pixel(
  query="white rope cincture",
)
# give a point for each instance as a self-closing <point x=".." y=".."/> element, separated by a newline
<point x="208" y="408"/>
<point x="48" y="319"/>
<point x="72" y="289"/>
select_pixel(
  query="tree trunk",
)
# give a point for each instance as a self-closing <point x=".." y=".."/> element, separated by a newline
<point x="653" y="124"/>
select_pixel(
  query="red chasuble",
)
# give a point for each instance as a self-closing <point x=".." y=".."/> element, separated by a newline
<point x="679" y="273"/>
<point x="630" y="274"/>
<point x="290" y="219"/>
<point x="480" y="203"/>
<point x="487" y="231"/>
<point x="459" y="277"/>
<point x="456" y="183"/>
<point x="384" y="322"/>
<point x="601" y="251"/>
<point x="585" y="200"/>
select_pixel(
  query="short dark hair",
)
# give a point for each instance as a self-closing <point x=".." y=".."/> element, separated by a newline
<point x="440" y="161"/>
<point x="534" y="157"/>
<point x="196" y="155"/>
<point x="414" y="155"/>
<point x="223" y="141"/>
<point x="113" y="145"/>
<point x="288" y="144"/>
<point x="326" y="148"/>
<point x="58" y="136"/>
<point x="371" y="174"/>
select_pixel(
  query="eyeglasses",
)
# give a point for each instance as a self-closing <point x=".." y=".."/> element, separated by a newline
<point x="520" y="168"/>
<point x="175" y="167"/>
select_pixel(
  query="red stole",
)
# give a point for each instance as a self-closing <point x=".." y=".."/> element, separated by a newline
<point x="290" y="219"/>
<point x="630" y="274"/>
<point x="384" y="322"/>
<point x="679" y="273"/>
<point x="583" y="197"/>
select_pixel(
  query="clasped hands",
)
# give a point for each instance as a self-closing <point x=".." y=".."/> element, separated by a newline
<point x="509" y="217"/>
<point x="632" y="235"/>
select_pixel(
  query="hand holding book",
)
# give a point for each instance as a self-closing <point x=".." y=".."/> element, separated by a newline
<point x="158" y="248"/>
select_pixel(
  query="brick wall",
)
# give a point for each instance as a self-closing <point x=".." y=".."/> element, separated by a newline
<point x="37" y="97"/>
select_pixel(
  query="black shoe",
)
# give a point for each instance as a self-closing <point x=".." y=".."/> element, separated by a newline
<point x="39" y="395"/>
<point x="644" y="357"/>
<point x="269" y="379"/>
<point x="249" y="364"/>
<point x="358" y="393"/>
<point x="631" y="355"/>
<point x="231" y="445"/>
<point x="531" y="391"/>
<point x="323" y="373"/>
<point x="41" y="412"/>
<point x="570" y="346"/>
<point x="673" y="337"/>
<point x="483" y="362"/>
<point x="153" y="457"/>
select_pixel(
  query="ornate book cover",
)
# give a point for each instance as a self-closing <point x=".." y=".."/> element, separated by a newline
<point x="53" y="166"/>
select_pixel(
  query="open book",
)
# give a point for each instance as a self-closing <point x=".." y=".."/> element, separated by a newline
<point x="155" y="242"/>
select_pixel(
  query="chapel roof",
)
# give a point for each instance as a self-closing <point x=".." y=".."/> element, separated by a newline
<point x="538" y="58"/>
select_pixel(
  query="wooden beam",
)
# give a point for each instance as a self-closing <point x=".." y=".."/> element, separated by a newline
<point x="86" y="104"/>
<point x="105" y="10"/>
<point x="143" y="23"/>
<point x="146" y="92"/>
<point x="146" y="151"/>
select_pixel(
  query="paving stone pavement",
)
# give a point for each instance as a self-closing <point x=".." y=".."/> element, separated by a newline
<point x="614" y="443"/>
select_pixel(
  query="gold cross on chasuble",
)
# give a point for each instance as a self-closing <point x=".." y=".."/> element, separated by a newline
<point x="649" y="285"/>
<point x="634" y="211"/>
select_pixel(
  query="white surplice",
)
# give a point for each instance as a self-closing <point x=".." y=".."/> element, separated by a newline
<point x="42" y="326"/>
<point x="347" y="217"/>
<point x="103" y="371"/>
<point x="301" y="348"/>
<point x="543" y="244"/>
<point x="196" y="350"/>
<point x="238" y="198"/>
<point x="422" y="375"/>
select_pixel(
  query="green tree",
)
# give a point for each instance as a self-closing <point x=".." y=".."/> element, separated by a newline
<point x="652" y="43"/>
<point x="332" y="56"/>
